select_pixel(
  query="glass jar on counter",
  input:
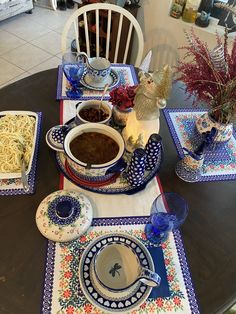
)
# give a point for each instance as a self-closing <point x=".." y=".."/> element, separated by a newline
<point x="190" y="11"/>
<point x="177" y="8"/>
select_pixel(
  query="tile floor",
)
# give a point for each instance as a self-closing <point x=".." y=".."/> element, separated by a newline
<point x="30" y="43"/>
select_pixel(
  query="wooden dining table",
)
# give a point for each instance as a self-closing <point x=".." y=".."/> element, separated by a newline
<point x="209" y="232"/>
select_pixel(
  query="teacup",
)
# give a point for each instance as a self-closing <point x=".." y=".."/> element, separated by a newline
<point x="117" y="268"/>
<point x="98" y="68"/>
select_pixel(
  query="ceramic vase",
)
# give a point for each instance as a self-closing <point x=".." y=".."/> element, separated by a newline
<point x="206" y="123"/>
<point x="136" y="167"/>
<point x="153" y="149"/>
<point x="120" y="116"/>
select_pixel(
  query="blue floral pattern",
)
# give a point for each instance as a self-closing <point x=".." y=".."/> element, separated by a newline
<point x="75" y="210"/>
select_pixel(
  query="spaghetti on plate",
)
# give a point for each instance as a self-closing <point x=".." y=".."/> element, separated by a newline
<point x="16" y="141"/>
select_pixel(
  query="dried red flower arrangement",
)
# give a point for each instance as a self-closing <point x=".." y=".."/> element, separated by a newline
<point x="123" y="97"/>
<point x="210" y="75"/>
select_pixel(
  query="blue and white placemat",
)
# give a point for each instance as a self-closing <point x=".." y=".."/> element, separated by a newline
<point x="62" y="292"/>
<point x="14" y="186"/>
<point x="126" y="72"/>
<point x="220" y="159"/>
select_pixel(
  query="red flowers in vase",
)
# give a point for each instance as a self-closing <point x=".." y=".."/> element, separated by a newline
<point x="123" y="97"/>
<point x="210" y="75"/>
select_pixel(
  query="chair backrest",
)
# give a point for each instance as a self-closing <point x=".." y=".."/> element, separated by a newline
<point x="80" y="22"/>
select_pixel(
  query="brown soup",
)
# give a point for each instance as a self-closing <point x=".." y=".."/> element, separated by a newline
<point x="94" y="148"/>
<point x="93" y="114"/>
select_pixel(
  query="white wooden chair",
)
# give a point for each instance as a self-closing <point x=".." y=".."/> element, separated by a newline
<point x="82" y="12"/>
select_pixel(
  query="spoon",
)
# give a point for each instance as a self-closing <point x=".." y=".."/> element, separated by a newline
<point x="103" y="94"/>
<point x="24" y="177"/>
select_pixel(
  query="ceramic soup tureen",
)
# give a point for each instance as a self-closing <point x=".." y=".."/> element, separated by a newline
<point x="94" y="172"/>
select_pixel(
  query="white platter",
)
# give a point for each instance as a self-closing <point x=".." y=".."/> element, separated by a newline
<point x="12" y="175"/>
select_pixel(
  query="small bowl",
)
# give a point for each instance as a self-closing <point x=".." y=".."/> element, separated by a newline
<point x="93" y="104"/>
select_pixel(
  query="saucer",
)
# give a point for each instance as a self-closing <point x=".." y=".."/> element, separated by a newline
<point x="64" y="215"/>
<point x="99" y="296"/>
<point x="112" y="80"/>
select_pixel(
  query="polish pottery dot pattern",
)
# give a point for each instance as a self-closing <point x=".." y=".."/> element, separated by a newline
<point x="153" y="149"/>
<point x="55" y="137"/>
<point x="136" y="168"/>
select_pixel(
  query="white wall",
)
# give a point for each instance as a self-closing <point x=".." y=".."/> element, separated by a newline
<point x="164" y="34"/>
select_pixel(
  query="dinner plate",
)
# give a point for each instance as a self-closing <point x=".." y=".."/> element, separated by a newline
<point x="99" y="296"/>
<point x="112" y="80"/>
<point x="14" y="175"/>
<point x="64" y="215"/>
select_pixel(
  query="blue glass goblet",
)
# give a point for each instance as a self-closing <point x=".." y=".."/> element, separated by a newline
<point x="73" y="68"/>
<point x="168" y="212"/>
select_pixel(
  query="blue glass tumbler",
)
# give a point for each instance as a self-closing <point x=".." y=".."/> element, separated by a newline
<point x="73" y="69"/>
<point x="168" y="212"/>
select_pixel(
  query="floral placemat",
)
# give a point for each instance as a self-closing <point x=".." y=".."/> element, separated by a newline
<point x="126" y="72"/>
<point x="62" y="292"/>
<point x="14" y="186"/>
<point x="220" y="159"/>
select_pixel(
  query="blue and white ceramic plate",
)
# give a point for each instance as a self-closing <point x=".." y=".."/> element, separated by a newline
<point x="109" y="301"/>
<point x="120" y="186"/>
<point x="64" y="215"/>
<point x="112" y="80"/>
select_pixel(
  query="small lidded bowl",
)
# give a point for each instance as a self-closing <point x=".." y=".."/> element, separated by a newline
<point x="93" y="111"/>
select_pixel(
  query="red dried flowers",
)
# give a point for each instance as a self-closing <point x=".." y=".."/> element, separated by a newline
<point x="123" y="97"/>
<point x="211" y="75"/>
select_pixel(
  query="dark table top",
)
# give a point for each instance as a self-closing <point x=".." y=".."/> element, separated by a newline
<point x="209" y="232"/>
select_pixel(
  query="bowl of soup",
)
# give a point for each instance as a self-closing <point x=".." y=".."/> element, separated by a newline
<point x="93" y="111"/>
<point x="94" y="151"/>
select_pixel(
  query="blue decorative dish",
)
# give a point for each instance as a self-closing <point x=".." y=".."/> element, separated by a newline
<point x="64" y="215"/>
<point x="112" y="80"/>
<point x="55" y="138"/>
<point x="105" y="299"/>
<point x="120" y="185"/>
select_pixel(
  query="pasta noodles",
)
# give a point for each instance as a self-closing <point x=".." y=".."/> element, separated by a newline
<point x="16" y="141"/>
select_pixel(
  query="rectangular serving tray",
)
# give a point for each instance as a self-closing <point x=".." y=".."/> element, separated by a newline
<point x="13" y="175"/>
